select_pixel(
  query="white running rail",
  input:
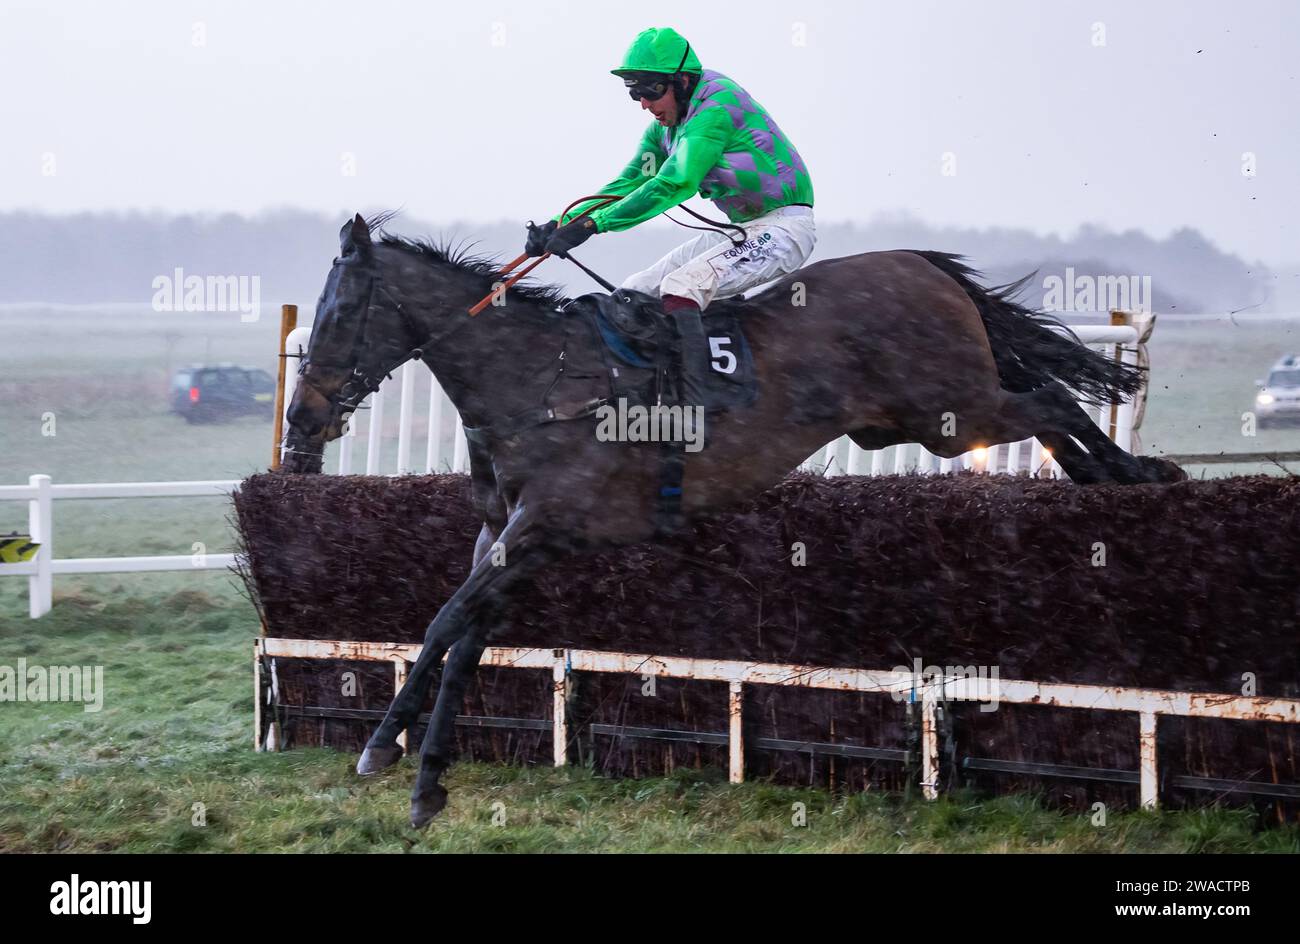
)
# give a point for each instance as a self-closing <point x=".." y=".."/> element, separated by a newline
<point x="40" y="494"/>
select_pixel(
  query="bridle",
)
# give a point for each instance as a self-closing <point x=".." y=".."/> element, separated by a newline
<point x="363" y="381"/>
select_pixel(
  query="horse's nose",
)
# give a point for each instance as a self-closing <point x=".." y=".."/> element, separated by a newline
<point x="302" y="419"/>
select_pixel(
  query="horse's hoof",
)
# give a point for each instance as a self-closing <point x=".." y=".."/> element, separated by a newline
<point x="1163" y="470"/>
<point x="375" y="759"/>
<point x="428" y="805"/>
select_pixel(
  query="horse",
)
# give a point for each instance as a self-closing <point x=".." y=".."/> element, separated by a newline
<point x="887" y="347"/>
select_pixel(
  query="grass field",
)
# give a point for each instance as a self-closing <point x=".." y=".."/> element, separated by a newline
<point x="175" y="731"/>
<point x="176" y="726"/>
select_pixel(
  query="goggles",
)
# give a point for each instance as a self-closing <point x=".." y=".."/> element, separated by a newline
<point x="652" y="89"/>
<point x="653" y="85"/>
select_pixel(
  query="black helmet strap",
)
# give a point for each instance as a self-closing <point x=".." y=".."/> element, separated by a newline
<point x="684" y="55"/>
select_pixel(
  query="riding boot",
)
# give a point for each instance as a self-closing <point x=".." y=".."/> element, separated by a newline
<point x="694" y="365"/>
<point x="693" y="351"/>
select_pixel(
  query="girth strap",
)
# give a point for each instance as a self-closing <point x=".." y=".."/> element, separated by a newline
<point x="537" y="416"/>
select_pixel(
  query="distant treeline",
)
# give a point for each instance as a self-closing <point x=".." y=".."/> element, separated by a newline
<point x="115" y="257"/>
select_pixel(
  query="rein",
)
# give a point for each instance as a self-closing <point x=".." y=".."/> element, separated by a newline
<point x="714" y="226"/>
<point x="605" y="199"/>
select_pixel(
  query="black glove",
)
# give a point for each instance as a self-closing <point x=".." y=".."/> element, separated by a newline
<point x="571" y="235"/>
<point x="537" y="237"/>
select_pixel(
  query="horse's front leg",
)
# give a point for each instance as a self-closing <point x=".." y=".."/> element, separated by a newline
<point x="382" y="750"/>
<point x="517" y="553"/>
<point x="429" y="796"/>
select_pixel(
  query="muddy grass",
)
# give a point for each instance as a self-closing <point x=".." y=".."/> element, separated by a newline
<point x="167" y="767"/>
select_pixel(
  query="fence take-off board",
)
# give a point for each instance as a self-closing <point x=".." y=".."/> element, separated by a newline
<point x="1148" y="704"/>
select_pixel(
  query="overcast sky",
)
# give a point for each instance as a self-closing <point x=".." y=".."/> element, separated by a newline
<point x="488" y="110"/>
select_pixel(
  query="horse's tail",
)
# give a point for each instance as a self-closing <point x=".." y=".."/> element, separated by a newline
<point x="1027" y="352"/>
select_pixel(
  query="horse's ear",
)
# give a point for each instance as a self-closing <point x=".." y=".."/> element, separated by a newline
<point x="355" y="236"/>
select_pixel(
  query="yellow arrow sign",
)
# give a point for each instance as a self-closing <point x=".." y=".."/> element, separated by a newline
<point x="16" y="548"/>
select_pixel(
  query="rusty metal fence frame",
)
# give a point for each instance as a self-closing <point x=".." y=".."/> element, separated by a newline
<point x="1148" y="704"/>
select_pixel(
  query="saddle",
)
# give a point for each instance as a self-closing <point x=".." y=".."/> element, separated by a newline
<point x="641" y="348"/>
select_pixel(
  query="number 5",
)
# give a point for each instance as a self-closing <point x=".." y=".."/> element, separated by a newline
<point x="724" y="362"/>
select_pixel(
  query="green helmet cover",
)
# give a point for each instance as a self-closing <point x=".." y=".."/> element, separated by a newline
<point x="660" y="49"/>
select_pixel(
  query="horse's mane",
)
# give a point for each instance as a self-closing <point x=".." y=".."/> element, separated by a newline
<point x="460" y="256"/>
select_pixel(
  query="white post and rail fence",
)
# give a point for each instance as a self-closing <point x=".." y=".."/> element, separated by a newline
<point x="40" y="493"/>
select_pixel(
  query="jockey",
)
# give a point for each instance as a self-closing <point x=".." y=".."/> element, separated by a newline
<point x="708" y="136"/>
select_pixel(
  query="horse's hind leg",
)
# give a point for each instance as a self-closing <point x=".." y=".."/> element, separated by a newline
<point x="1048" y="414"/>
<point x="1016" y="417"/>
<point x="1124" y="466"/>
<point x="1121" y="465"/>
<point x="1079" y="464"/>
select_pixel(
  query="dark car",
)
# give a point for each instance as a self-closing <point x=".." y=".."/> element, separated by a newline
<point x="223" y="392"/>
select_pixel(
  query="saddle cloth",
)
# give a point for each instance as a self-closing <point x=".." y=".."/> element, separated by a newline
<point x="638" y="335"/>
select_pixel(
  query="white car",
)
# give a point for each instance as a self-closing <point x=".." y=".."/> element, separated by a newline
<point x="1278" y="400"/>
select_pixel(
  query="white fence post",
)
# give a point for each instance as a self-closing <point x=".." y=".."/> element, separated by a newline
<point x="345" y="446"/>
<point x="559" y="707"/>
<point x="460" y="459"/>
<point x="1124" y="412"/>
<point x="1149" y="777"/>
<point x="400" y="670"/>
<point x="40" y="494"/>
<point x="258" y="696"/>
<point x="40" y="523"/>
<point x="929" y="745"/>
<point x="405" y="410"/>
<point x="837" y="456"/>
<point x="735" y="732"/>
<point x="375" y="432"/>
<point x="434" y="444"/>
<point x="857" y="459"/>
<point x="295" y="346"/>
